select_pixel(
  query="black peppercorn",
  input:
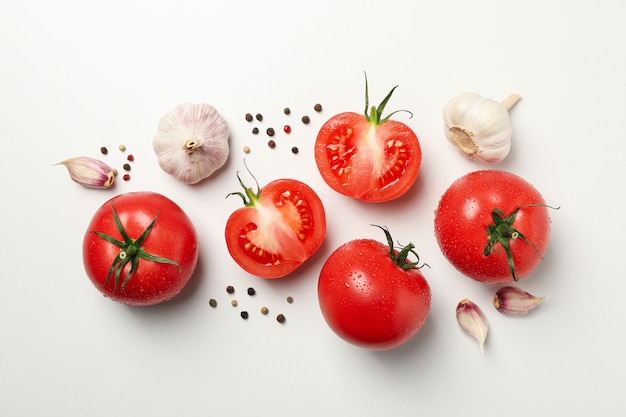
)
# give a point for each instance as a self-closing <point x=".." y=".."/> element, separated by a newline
<point x="306" y="120"/>
<point x="104" y="150"/>
<point x="251" y="291"/>
<point x="294" y="149"/>
<point x="271" y="144"/>
<point x="249" y="117"/>
<point x="230" y="289"/>
<point x="270" y="131"/>
<point x="281" y="318"/>
<point x="255" y="130"/>
<point x="126" y="167"/>
<point x="259" y="117"/>
<point x="318" y="107"/>
<point x="244" y="315"/>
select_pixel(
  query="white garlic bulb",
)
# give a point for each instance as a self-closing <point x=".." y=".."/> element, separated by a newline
<point x="480" y="127"/>
<point x="191" y="142"/>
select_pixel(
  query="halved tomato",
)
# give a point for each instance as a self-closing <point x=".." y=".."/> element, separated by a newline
<point x="366" y="156"/>
<point x="279" y="227"/>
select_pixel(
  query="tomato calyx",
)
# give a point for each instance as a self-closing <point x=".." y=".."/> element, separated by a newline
<point x="502" y="231"/>
<point x="375" y="115"/>
<point x="253" y="197"/>
<point x="131" y="250"/>
<point x="399" y="257"/>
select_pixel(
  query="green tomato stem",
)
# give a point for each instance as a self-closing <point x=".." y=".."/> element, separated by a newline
<point x="130" y="251"/>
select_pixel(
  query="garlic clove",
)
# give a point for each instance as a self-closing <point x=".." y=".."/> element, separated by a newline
<point x="472" y="321"/>
<point x="513" y="301"/>
<point x="480" y="127"/>
<point x="89" y="172"/>
<point x="191" y="142"/>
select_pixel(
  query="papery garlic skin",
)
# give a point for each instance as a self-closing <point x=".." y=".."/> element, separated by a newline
<point x="191" y="142"/>
<point x="479" y="127"/>
<point x="513" y="301"/>
<point x="89" y="172"/>
<point x="472" y="321"/>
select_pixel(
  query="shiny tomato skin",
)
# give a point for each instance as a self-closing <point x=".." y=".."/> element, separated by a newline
<point x="465" y="211"/>
<point x="370" y="162"/>
<point x="173" y="237"/>
<point x="273" y="237"/>
<point x="369" y="301"/>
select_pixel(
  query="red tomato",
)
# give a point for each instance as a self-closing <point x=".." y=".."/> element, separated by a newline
<point x="371" y="295"/>
<point x="140" y="249"/>
<point x="279" y="228"/>
<point x="493" y="226"/>
<point x="368" y="157"/>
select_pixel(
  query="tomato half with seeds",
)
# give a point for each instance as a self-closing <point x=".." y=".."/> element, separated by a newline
<point x="140" y="248"/>
<point x="366" y="156"/>
<point x="371" y="294"/>
<point x="280" y="227"/>
<point x="493" y="226"/>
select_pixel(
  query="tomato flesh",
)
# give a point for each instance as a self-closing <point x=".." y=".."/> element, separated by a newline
<point x="279" y="232"/>
<point x="371" y="162"/>
<point x="465" y="212"/>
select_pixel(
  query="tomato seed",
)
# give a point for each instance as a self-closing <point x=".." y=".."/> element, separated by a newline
<point x="295" y="149"/>
<point x="306" y="120"/>
<point x="126" y="167"/>
<point x="287" y="110"/>
<point x="130" y="157"/>
<point x="230" y="289"/>
<point x="249" y="117"/>
<point x="281" y="318"/>
<point x="213" y="302"/>
<point x="287" y="129"/>
<point x="318" y="107"/>
<point x="270" y="131"/>
<point x="271" y="144"/>
<point x="259" y="117"/>
<point x="251" y="291"/>
<point x="104" y="150"/>
<point x="244" y="315"/>
<point x="126" y="177"/>
<point x="255" y="130"/>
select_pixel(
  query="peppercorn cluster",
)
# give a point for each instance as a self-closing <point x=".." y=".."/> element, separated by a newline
<point x="271" y="132"/>
<point x="264" y="310"/>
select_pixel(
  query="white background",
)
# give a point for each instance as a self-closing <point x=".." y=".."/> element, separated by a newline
<point x="78" y="75"/>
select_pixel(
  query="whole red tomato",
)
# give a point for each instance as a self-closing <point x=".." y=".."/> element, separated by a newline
<point x="371" y="295"/>
<point x="279" y="227"/>
<point x="493" y="226"/>
<point x="140" y="248"/>
<point x="366" y="156"/>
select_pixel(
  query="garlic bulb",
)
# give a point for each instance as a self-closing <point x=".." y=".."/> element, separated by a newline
<point x="191" y="142"/>
<point x="480" y="127"/>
